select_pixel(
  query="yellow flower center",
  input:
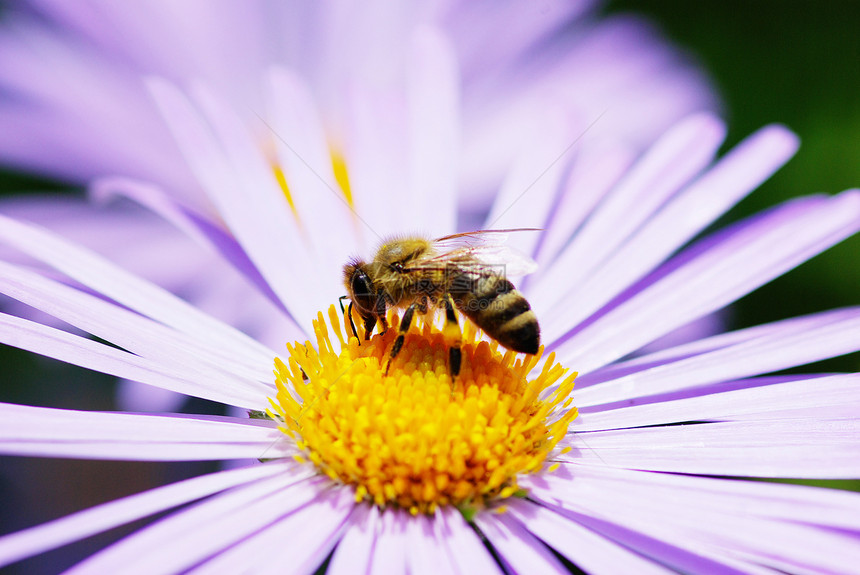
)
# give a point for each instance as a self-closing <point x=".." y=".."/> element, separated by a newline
<point x="412" y="438"/>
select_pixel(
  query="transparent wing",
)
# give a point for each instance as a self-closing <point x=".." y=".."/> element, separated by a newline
<point x="480" y="252"/>
<point x="476" y="238"/>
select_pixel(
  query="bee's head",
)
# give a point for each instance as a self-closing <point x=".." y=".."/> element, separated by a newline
<point x="360" y="288"/>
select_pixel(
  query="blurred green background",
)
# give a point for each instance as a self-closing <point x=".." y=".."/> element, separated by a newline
<point x="797" y="63"/>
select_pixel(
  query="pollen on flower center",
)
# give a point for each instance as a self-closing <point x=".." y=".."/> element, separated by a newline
<point x="411" y="438"/>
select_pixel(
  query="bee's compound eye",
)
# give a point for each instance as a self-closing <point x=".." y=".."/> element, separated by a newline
<point x="363" y="293"/>
<point x="361" y="285"/>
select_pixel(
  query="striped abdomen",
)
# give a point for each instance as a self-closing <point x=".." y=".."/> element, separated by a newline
<point x="495" y="305"/>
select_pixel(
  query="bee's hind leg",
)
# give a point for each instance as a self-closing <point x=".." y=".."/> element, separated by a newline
<point x="453" y="338"/>
<point x="405" y="322"/>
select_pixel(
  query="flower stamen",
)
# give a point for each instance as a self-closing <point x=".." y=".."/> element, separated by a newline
<point x="414" y="438"/>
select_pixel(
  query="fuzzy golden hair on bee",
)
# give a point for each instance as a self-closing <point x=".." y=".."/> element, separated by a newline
<point x="464" y="272"/>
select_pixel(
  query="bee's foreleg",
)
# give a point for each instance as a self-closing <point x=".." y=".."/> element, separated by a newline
<point x="453" y="337"/>
<point x="349" y="315"/>
<point x="405" y="322"/>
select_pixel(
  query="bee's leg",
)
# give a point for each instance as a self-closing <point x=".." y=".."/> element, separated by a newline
<point x="422" y="305"/>
<point x="352" y="323"/>
<point x="453" y="337"/>
<point x="405" y="322"/>
<point x="384" y="321"/>
<point x="380" y="314"/>
<point x="369" y="324"/>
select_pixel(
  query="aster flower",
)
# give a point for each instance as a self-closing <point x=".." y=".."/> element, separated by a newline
<point x="439" y="96"/>
<point x="502" y="468"/>
<point x="423" y="98"/>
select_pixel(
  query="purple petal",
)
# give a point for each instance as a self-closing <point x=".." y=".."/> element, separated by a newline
<point x="376" y="127"/>
<point x="433" y="86"/>
<point x="26" y="430"/>
<point x="263" y="224"/>
<point x="518" y="548"/>
<point x="714" y="343"/>
<point x="615" y="70"/>
<point x="212" y="527"/>
<point x="820" y="397"/>
<point x="428" y="554"/>
<point x="466" y="549"/>
<point x="477" y="46"/>
<point x="684" y="215"/>
<point x="595" y="171"/>
<point x="711" y="275"/>
<point x="299" y="140"/>
<point x="133" y="332"/>
<point x="389" y="552"/>
<point x="258" y="217"/>
<point x="50" y="342"/>
<point x="526" y="197"/>
<point x="226" y="46"/>
<point x="356" y="547"/>
<point x="768" y="348"/>
<point x="677" y="157"/>
<point x="804" y="448"/>
<point x="52" y="131"/>
<point x="588" y="550"/>
<point x="83" y="524"/>
<point x="736" y="526"/>
<point x="194" y="224"/>
<point x="312" y="532"/>
<point x="114" y="282"/>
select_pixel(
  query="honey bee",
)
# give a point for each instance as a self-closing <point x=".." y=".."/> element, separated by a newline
<point x="463" y="271"/>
